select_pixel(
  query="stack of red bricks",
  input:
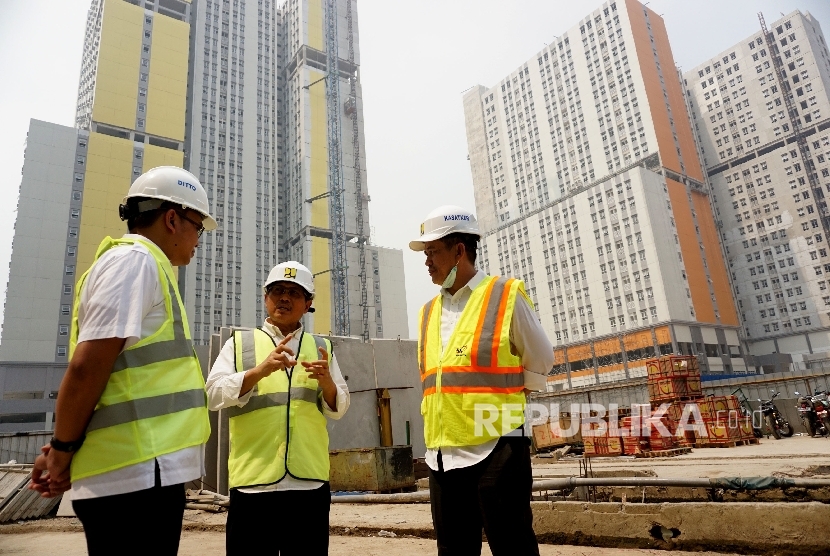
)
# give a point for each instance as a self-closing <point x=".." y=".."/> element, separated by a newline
<point x="608" y="442"/>
<point x="673" y="380"/>
<point x="725" y="423"/>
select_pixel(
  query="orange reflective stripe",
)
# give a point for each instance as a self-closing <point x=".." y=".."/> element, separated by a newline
<point x="428" y="381"/>
<point x="488" y="337"/>
<point x="475" y="355"/>
<point x="498" y="325"/>
<point x="480" y="390"/>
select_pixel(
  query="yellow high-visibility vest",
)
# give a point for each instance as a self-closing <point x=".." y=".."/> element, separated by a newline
<point x="154" y="402"/>
<point x="281" y="430"/>
<point x="473" y="388"/>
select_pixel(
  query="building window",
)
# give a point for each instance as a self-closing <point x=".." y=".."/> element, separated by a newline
<point x="63" y="330"/>
<point x="65" y="310"/>
<point x="61" y="351"/>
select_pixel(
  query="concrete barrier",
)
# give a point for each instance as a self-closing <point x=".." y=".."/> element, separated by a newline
<point x="779" y="528"/>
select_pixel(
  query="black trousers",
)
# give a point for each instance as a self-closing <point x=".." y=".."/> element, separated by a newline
<point x="140" y="523"/>
<point x="493" y="494"/>
<point x="288" y="523"/>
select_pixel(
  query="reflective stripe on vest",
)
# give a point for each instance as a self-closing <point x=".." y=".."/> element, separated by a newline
<point x="281" y="430"/>
<point x="145" y="408"/>
<point x="154" y="402"/>
<point x="475" y="371"/>
<point x="274" y="400"/>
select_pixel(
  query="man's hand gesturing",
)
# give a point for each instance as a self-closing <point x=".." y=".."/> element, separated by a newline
<point x="281" y="358"/>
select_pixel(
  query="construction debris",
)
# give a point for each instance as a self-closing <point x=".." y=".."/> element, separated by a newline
<point x="206" y="500"/>
<point x="17" y="502"/>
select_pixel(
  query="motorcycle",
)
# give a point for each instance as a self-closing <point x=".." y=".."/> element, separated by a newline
<point x="814" y="410"/>
<point x="776" y="423"/>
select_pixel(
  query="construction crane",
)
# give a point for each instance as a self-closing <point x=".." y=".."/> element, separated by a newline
<point x="337" y="215"/>
<point x="351" y="108"/>
<point x="795" y="124"/>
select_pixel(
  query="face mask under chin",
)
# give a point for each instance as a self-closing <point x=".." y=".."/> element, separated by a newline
<point x="450" y="279"/>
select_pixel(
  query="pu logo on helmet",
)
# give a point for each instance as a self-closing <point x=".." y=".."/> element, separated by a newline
<point x="464" y="217"/>
<point x="290" y="273"/>
<point x="461" y="352"/>
<point x="422" y="229"/>
<point x="188" y="185"/>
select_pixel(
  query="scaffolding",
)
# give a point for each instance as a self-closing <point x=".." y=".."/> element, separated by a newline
<point x="340" y="305"/>
<point x="351" y="109"/>
<point x="795" y="124"/>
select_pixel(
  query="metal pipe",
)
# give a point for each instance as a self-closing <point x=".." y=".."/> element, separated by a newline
<point x="567" y="483"/>
<point x="400" y="498"/>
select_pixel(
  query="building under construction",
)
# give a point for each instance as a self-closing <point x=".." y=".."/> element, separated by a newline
<point x="276" y="136"/>
<point x="589" y="186"/>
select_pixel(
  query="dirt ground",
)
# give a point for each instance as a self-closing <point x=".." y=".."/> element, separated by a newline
<point x="209" y="543"/>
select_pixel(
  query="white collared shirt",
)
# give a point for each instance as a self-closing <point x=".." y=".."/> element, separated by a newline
<point x="224" y="384"/>
<point x="530" y="343"/>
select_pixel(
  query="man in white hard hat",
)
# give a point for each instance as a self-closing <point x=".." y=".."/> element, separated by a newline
<point x="131" y="416"/>
<point x="278" y="468"/>
<point x="480" y="349"/>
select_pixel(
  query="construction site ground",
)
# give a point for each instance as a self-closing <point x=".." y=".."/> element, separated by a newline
<point x="622" y="526"/>
<point x="788" y="457"/>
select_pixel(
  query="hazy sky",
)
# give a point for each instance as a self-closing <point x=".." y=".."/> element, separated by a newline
<point x="416" y="60"/>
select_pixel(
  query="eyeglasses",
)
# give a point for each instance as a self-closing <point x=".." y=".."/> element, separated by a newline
<point x="295" y="294"/>
<point x="200" y="229"/>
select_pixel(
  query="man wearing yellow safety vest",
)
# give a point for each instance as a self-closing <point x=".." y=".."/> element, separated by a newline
<point x="480" y="349"/>
<point x="131" y="414"/>
<point x="278" y="469"/>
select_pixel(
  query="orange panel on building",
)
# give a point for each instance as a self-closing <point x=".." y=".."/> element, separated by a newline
<point x="654" y="89"/>
<point x="579" y="352"/>
<point x="638" y="340"/>
<point x="682" y="123"/>
<point x="607" y="347"/>
<point x="714" y="258"/>
<point x="690" y="248"/>
<point x="663" y="335"/>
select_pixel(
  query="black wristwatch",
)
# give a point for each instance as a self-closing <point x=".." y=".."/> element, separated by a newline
<point x="66" y="446"/>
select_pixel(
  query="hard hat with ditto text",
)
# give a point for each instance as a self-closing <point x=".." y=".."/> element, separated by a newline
<point x="176" y="185"/>
<point x="443" y="221"/>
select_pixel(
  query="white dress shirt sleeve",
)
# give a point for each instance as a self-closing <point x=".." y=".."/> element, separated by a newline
<point x="224" y="383"/>
<point x="120" y="291"/>
<point x="532" y="344"/>
<point x="343" y="398"/>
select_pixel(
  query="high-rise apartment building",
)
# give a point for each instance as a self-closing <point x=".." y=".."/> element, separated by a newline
<point x="130" y="118"/>
<point x="258" y="140"/>
<point x="588" y="185"/>
<point x="750" y="104"/>
<point x="229" y="90"/>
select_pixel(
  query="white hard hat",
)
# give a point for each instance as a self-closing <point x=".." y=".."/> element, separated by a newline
<point x="291" y="271"/>
<point x="169" y="183"/>
<point x="443" y="221"/>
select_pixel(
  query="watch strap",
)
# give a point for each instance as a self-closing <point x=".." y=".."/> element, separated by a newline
<point x="66" y="446"/>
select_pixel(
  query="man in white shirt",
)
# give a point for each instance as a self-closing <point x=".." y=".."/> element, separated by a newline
<point x="131" y="415"/>
<point x="476" y="481"/>
<point x="279" y="463"/>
